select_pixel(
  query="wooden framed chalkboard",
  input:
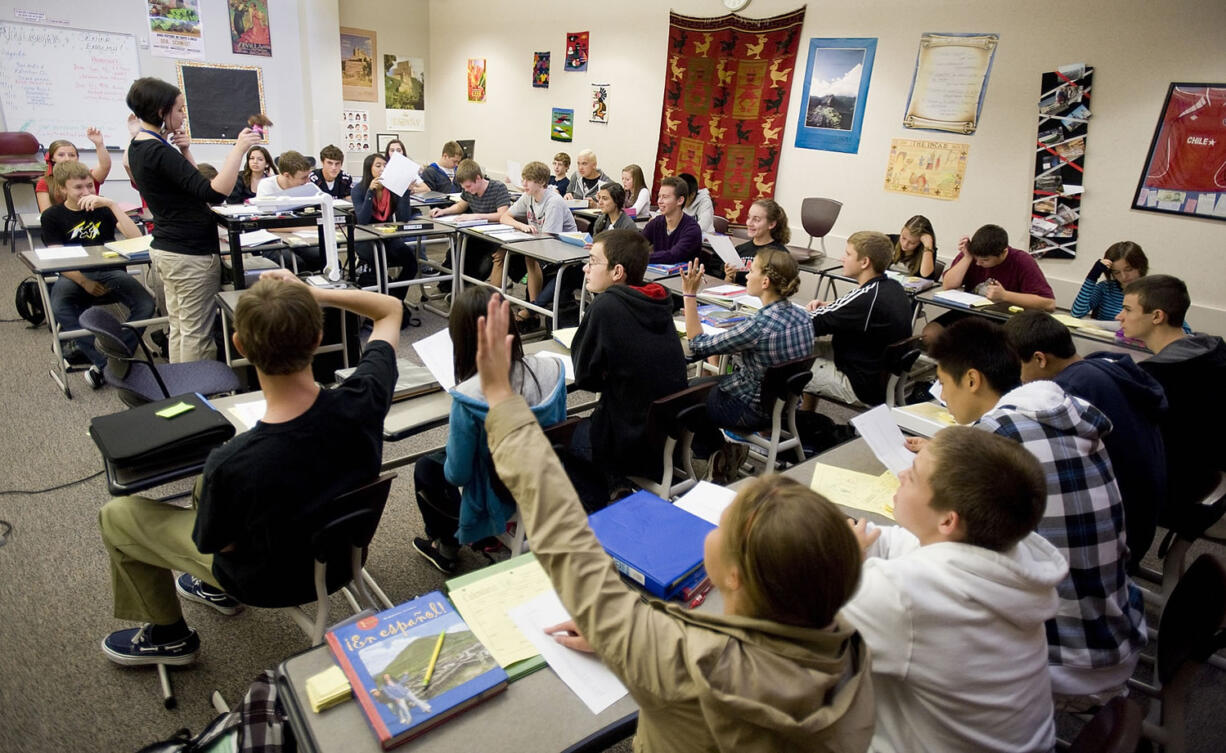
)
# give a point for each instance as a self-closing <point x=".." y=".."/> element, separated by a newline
<point x="220" y="99"/>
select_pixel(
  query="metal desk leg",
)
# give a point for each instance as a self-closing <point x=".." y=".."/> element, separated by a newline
<point x="60" y="372"/>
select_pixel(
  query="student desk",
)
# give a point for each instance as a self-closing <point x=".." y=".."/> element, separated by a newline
<point x="673" y="284"/>
<point x="1000" y="312"/>
<point x="545" y="250"/>
<point x="236" y="225"/>
<point x="431" y="230"/>
<point x="45" y="268"/>
<point x="227" y="301"/>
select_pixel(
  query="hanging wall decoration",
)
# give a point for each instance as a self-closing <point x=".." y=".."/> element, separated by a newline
<point x="174" y="30"/>
<point x="951" y="77"/>
<point x="600" y="103"/>
<point x="1059" y="163"/>
<point x="358" y="65"/>
<point x="249" y="28"/>
<point x="1185" y="172"/>
<point x="562" y="124"/>
<point x="404" y="93"/>
<point x="932" y="169"/>
<point x="576" y="51"/>
<point x="836" y="85"/>
<point x="727" y="84"/>
<point x="355" y="130"/>
<point x="476" y="79"/>
<point x="540" y="70"/>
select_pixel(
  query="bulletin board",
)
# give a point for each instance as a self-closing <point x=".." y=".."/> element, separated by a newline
<point x="220" y="99"/>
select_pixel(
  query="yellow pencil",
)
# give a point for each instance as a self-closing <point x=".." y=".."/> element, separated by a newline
<point x="438" y="646"/>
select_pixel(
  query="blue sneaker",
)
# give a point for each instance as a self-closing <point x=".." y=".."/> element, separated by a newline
<point x="193" y="589"/>
<point x="134" y="647"/>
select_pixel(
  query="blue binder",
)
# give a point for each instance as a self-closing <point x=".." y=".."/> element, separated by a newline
<point x="655" y="544"/>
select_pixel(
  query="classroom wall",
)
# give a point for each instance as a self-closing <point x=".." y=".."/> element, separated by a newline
<point x="1137" y="49"/>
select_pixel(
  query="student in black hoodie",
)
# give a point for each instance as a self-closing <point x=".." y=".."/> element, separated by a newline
<point x="627" y="349"/>
<point x="1132" y="399"/>
<point x="849" y="366"/>
<point x="1192" y="369"/>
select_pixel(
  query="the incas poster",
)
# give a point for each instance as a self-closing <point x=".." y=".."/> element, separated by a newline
<point x="600" y="103"/>
<point x="174" y="29"/>
<point x="249" y="28"/>
<point x="562" y="124"/>
<point x="404" y="93"/>
<point x="358" y="65"/>
<point x="1059" y="162"/>
<point x="540" y="70"/>
<point x="476" y="79"/>
<point x="932" y="169"/>
<point x="576" y="51"/>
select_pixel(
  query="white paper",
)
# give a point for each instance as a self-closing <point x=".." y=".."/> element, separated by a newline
<point x="583" y="673"/>
<point x="706" y="500"/>
<point x="248" y="413"/>
<point x="399" y="174"/>
<point x="707" y="329"/>
<point x="256" y="238"/>
<point x="725" y="291"/>
<point x="568" y="365"/>
<point x="62" y="252"/>
<point x="963" y="298"/>
<point x="884" y="438"/>
<point x="515" y="172"/>
<point x="724" y="249"/>
<point x="935" y="390"/>
<point x="750" y="301"/>
<point x="437" y="353"/>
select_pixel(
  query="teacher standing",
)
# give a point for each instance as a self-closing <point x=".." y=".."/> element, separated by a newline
<point x="185" y="251"/>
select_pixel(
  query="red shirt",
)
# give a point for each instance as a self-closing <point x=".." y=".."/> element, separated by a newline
<point x="1018" y="273"/>
<point x="1191" y="154"/>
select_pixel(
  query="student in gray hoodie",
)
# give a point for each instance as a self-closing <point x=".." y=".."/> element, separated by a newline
<point x="1131" y="398"/>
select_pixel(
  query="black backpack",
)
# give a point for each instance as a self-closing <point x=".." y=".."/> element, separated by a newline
<point x="29" y="302"/>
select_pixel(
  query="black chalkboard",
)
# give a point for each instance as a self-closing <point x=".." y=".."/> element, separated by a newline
<point x="220" y="98"/>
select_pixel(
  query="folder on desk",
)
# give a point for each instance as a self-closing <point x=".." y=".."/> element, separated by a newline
<point x="483" y="598"/>
<point x="139" y="437"/>
<point x="963" y="299"/>
<point x="136" y="248"/>
<point x="652" y="542"/>
<point x="411" y="380"/>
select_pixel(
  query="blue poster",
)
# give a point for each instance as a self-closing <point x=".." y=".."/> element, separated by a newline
<point x="836" y="88"/>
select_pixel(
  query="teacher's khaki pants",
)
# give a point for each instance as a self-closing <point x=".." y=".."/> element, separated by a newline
<point x="146" y="541"/>
<point x="192" y="283"/>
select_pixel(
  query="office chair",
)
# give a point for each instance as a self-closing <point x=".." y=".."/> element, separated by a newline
<point x="817" y="216"/>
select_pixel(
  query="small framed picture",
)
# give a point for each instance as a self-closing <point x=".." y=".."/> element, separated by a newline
<point x="1185" y="171"/>
<point x="382" y="140"/>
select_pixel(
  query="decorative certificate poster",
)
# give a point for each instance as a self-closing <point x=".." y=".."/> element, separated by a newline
<point x="562" y="124"/>
<point x="540" y="70"/>
<point x="404" y="93"/>
<point x="358" y="65"/>
<point x="476" y="79"/>
<point x="600" y="103"/>
<point x="926" y="168"/>
<point x="1059" y="163"/>
<point x="951" y="76"/>
<point x="355" y="128"/>
<point x="1185" y="172"/>
<point x="249" y="28"/>
<point x="174" y="30"/>
<point x="576" y="51"/>
<point x="836" y="85"/>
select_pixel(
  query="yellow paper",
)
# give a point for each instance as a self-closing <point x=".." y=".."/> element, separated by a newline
<point x="1069" y="321"/>
<point x="327" y="688"/>
<point x="484" y="605"/>
<point x="171" y="411"/>
<point x="932" y="412"/>
<point x="858" y="491"/>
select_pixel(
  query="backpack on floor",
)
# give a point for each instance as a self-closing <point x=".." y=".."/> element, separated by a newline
<point x="29" y="302"/>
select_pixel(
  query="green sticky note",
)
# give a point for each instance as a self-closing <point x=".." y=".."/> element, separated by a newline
<point x="171" y="411"/>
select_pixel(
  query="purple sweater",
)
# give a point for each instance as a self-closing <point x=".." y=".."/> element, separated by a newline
<point x="682" y="244"/>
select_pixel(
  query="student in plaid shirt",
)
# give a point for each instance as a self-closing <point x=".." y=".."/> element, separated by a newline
<point x="1095" y="639"/>
<point x="778" y="333"/>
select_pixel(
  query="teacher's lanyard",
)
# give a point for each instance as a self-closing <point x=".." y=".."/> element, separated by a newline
<point x="156" y="135"/>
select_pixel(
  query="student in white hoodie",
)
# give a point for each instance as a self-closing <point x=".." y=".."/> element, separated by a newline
<point x="1096" y="637"/>
<point x="953" y="600"/>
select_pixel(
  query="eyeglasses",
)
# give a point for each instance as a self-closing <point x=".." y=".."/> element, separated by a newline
<point x="602" y="263"/>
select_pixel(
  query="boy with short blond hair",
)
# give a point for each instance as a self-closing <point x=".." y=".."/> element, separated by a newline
<point x="862" y="324"/>
<point x="537" y="210"/>
<point x="558" y="180"/>
<point x="1096" y="637"/>
<point x="481" y="199"/>
<point x="953" y="601"/>
<point x="87" y="219"/>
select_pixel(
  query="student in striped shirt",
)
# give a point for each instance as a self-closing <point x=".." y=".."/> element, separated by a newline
<point x="1101" y="299"/>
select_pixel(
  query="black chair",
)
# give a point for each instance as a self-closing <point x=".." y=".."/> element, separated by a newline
<point x="781" y="390"/>
<point x="1191" y="631"/>
<point x="721" y="224"/>
<point x="898" y="359"/>
<point x="817" y="217"/>
<point x="671" y="422"/>
<point x="340" y="533"/>
<point x="138" y="379"/>
<point x="1116" y="728"/>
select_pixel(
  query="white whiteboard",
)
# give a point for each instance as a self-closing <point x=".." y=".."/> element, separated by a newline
<point x="57" y="82"/>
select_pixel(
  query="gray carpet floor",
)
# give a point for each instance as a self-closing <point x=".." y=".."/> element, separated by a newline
<point x="57" y="690"/>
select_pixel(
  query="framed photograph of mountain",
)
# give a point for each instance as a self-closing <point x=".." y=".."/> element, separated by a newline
<point x="836" y="87"/>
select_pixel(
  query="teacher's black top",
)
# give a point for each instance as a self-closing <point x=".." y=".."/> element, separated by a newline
<point x="178" y="197"/>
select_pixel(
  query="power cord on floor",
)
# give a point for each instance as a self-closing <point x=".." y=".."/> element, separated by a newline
<point x="51" y="488"/>
<point x="5" y="529"/>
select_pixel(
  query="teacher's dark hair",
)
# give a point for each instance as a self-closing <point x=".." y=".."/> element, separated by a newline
<point x="151" y="99"/>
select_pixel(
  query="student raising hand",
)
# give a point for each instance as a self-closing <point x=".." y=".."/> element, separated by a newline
<point x="494" y="351"/>
<point x="691" y="278"/>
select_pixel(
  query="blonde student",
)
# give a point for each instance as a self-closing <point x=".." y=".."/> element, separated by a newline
<point x="915" y="249"/>
<point x="778" y="670"/>
<point x="638" y="198"/>
<point x="953" y="601"/>
<point x="63" y="150"/>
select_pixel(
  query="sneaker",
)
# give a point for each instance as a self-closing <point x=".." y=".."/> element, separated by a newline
<point x="441" y="562"/>
<point x="193" y="589"/>
<point x="133" y="647"/>
<point x="727" y="461"/>
<point x="93" y="377"/>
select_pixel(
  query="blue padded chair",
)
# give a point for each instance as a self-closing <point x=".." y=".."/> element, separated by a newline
<point x="138" y="379"/>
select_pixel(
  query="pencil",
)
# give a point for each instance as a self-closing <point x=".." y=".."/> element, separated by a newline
<point x="438" y="646"/>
